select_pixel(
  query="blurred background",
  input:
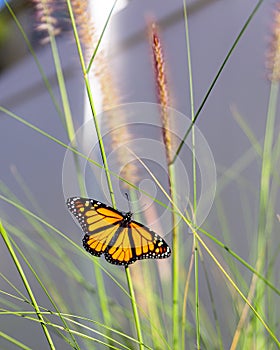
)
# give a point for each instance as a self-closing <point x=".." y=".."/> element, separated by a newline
<point x="242" y="87"/>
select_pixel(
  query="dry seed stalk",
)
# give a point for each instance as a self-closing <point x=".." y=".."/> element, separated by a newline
<point x="162" y="89"/>
<point x="45" y="20"/>
<point x="273" y="57"/>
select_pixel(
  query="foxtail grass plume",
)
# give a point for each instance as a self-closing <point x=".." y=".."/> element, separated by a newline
<point x="273" y="56"/>
<point x="85" y="25"/>
<point x="110" y="96"/>
<point x="50" y="18"/>
<point x="162" y="87"/>
<point x="119" y="132"/>
<point x="48" y="23"/>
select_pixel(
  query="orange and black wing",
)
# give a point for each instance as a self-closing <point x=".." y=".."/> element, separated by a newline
<point x="99" y="222"/>
<point x="135" y="242"/>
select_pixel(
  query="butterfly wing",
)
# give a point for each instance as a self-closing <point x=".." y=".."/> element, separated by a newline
<point x="98" y="221"/>
<point x="135" y="242"/>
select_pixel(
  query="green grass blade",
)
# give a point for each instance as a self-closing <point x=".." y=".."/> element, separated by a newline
<point x="256" y="313"/>
<point x="134" y="307"/>
<point x="40" y="68"/>
<point x="238" y="258"/>
<point x="14" y="341"/>
<point x="101" y="37"/>
<point x="27" y="286"/>
<point x="92" y="106"/>
<point x="75" y="344"/>
<point x="194" y="204"/>
<point x="264" y="233"/>
<point x="217" y="75"/>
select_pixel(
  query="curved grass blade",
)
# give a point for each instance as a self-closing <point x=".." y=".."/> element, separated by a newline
<point x="27" y="285"/>
<point x="217" y="76"/>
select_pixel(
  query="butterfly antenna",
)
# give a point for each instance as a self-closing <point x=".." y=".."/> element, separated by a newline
<point x="129" y="204"/>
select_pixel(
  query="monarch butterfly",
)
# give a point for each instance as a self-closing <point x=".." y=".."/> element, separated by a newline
<point x="114" y="234"/>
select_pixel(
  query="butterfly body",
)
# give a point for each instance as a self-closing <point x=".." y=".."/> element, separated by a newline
<point x="114" y="234"/>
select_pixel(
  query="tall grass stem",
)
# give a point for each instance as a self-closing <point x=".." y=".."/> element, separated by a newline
<point x="27" y="286"/>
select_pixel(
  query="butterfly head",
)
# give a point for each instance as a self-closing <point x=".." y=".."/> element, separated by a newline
<point x="127" y="217"/>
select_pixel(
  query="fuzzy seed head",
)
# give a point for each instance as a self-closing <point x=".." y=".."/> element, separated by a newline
<point x="273" y="56"/>
<point x="85" y="25"/>
<point x="162" y="87"/>
<point x="51" y="18"/>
